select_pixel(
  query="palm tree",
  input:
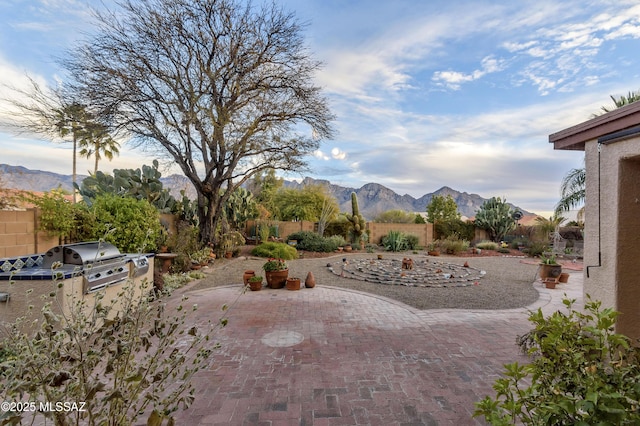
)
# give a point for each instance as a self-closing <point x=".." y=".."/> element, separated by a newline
<point x="621" y="101"/>
<point x="96" y="140"/>
<point x="572" y="188"/>
<point x="70" y="120"/>
<point x="572" y="191"/>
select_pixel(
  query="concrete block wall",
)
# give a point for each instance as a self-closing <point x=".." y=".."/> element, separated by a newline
<point x="424" y="231"/>
<point x="18" y="236"/>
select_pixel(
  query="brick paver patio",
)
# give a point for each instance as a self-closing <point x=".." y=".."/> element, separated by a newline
<point x="326" y="356"/>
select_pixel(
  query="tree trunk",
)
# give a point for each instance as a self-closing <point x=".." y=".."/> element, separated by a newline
<point x="73" y="177"/>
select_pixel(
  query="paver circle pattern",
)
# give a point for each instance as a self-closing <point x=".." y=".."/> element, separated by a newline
<point x="282" y="339"/>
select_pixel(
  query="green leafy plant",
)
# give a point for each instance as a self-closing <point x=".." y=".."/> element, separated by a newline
<point x="56" y="213"/>
<point x="537" y="248"/>
<point x="255" y="279"/>
<point x="118" y="357"/>
<point x="311" y="241"/>
<point x="275" y="250"/>
<point x="582" y="373"/>
<point x="136" y="223"/>
<point x="413" y="241"/>
<point x="395" y="241"/>
<point x="272" y="265"/>
<point x="548" y="260"/>
<point x="201" y="256"/>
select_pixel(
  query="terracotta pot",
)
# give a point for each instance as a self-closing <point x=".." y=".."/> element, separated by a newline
<point x="550" y="271"/>
<point x="433" y="253"/>
<point x="276" y="279"/>
<point x="248" y="274"/>
<point x="255" y="285"/>
<point x="348" y="248"/>
<point x="310" y="281"/>
<point x="550" y="282"/>
<point x="293" y="284"/>
<point x="228" y="255"/>
<point x="564" y="277"/>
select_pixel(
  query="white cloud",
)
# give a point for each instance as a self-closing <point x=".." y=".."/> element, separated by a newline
<point x="454" y="79"/>
<point x="338" y="154"/>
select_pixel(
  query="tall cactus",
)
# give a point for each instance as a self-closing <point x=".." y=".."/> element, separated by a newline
<point x="357" y="221"/>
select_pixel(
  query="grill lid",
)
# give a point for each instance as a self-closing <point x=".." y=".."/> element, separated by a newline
<point x="82" y="254"/>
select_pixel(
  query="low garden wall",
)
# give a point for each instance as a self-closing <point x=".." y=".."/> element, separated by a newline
<point x="18" y="236"/>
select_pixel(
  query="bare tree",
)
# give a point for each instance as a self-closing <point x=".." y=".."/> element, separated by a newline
<point x="221" y="86"/>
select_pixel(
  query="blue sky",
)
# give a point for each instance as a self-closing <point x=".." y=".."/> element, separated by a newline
<point x="426" y="93"/>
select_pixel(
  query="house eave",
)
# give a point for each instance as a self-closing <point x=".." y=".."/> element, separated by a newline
<point x="575" y="137"/>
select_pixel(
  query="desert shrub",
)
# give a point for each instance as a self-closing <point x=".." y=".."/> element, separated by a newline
<point x="311" y="241"/>
<point x="275" y="250"/>
<point x="395" y="241"/>
<point x="466" y="230"/>
<point x="118" y="358"/>
<point x="582" y="373"/>
<point x="338" y="240"/>
<point x="413" y="242"/>
<point x="183" y="242"/>
<point x="453" y="244"/>
<point x="536" y="248"/>
<point x="487" y="245"/>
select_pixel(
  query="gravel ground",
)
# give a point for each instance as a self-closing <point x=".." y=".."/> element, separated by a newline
<point x="507" y="284"/>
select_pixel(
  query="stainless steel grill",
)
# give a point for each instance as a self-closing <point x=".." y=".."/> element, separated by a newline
<point x="99" y="263"/>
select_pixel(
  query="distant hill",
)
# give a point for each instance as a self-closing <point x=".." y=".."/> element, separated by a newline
<point x="373" y="198"/>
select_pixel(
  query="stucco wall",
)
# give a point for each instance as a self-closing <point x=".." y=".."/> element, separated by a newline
<point x="606" y="224"/>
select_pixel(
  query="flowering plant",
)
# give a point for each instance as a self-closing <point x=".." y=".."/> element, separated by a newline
<point x="275" y="265"/>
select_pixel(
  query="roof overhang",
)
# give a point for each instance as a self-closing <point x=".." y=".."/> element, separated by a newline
<point x="574" y="138"/>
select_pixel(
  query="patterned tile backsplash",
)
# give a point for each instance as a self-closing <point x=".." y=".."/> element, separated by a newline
<point x="11" y="264"/>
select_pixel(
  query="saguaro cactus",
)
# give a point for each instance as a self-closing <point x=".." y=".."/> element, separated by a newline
<point x="357" y="221"/>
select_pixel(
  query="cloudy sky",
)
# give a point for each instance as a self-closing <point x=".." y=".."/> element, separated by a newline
<point x="426" y="93"/>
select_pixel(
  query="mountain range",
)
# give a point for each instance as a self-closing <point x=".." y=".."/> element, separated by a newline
<point x="373" y="198"/>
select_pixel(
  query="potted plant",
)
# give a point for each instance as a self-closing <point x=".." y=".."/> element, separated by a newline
<point x="549" y="268"/>
<point x="276" y="271"/>
<point x="200" y="257"/>
<point x="229" y="242"/>
<point x="293" y="283"/>
<point x="255" y="283"/>
<point x="433" y="249"/>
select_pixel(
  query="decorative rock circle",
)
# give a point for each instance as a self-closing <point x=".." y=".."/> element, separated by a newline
<point x="425" y="273"/>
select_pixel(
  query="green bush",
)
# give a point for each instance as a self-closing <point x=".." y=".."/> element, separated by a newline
<point x="413" y="242"/>
<point x="536" y="248"/>
<point x="311" y="241"/>
<point x="275" y="250"/>
<point x="453" y="244"/>
<point x="487" y="245"/>
<point x="338" y="240"/>
<point x="466" y="230"/>
<point x="131" y="225"/>
<point x="582" y="373"/>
